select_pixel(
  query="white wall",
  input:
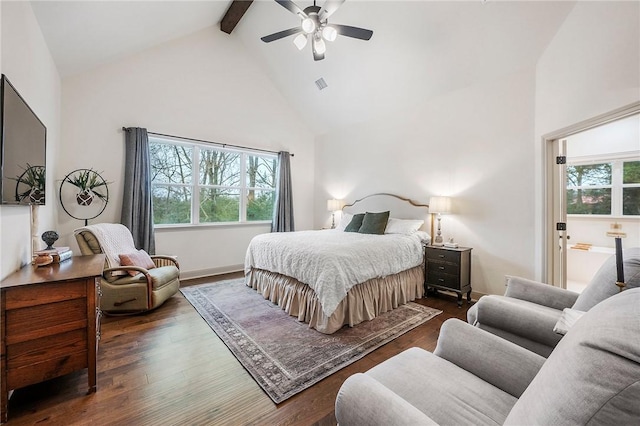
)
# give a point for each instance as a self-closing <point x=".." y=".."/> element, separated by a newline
<point x="591" y="67"/>
<point x="202" y="86"/>
<point x="27" y="63"/>
<point x="475" y="145"/>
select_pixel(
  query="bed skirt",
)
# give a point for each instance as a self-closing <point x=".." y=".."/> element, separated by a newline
<point x="363" y="302"/>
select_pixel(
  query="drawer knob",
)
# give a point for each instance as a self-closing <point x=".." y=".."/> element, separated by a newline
<point x="441" y="280"/>
<point x="441" y="267"/>
<point x="441" y="255"/>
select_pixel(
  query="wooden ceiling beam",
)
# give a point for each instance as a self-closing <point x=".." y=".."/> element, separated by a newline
<point x="236" y="11"/>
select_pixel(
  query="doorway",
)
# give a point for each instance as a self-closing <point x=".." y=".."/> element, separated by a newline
<point x="593" y="193"/>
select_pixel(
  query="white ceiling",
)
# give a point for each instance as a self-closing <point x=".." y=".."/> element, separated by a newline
<point x="419" y="49"/>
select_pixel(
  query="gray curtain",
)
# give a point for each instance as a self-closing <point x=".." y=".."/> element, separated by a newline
<point x="137" y="203"/>
<point x="283" y="211"/>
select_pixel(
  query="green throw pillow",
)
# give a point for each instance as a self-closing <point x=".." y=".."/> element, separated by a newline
<point x="374" y="223"/>
<point x="355" y="223"/>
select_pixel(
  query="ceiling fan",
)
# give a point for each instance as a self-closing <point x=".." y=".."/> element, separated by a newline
<point x="314" y="26"/>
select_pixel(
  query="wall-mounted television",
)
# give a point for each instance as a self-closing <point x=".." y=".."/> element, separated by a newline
<point x="22" y="149"/>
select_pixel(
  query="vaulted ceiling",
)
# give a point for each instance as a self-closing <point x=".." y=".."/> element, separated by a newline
<point x="419" y="49"/>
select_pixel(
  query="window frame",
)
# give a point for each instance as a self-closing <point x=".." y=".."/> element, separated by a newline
<point x="195" y="186"/>
<point x="617" y="185"/>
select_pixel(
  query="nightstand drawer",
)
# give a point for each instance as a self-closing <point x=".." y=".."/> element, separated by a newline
<point x="445" y="280"/>
<point x="442" y="255"/>
<point x="443" y="268"/>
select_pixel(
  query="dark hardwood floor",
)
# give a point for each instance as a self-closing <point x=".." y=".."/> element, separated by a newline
<point x="167" y="367"/>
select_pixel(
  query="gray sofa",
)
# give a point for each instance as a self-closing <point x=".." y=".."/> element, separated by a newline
<point x="529" y="310"/>
<point x="476" y="378"/>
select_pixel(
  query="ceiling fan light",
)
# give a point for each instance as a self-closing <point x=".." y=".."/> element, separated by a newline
<point x="300" y="41"/>
<point x="329" y="33"/>
<point x="319" y="46"/>
<point x="308" y="25"/>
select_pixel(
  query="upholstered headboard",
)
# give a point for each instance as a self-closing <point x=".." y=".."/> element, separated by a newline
<point x="398" y="206"/>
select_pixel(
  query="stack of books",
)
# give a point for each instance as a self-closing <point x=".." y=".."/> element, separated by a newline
<point x="58" y="254"/>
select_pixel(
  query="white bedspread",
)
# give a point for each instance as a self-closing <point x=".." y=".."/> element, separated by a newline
<point x="331" y="261"/>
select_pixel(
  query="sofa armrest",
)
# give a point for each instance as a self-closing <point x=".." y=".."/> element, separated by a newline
<point x="519" y="317"/>
<point x="540" y="293"/>
<point x="505" y="365"/>
<point x="362" y="400"/>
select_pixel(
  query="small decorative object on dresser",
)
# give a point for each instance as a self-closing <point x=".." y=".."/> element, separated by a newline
<point x="448" y="268"/>
<point x="57" y="255"/>
<point x="50" y="237"/>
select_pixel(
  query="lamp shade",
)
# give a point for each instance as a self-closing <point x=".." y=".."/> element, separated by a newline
<point x="439" y="205"/>
<point x="334" y="205"/>
<point x="300" y="41"/>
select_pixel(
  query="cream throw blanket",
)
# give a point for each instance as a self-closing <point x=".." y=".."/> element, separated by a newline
<point x="114" y="239"/>
<point x="331" y="262"/>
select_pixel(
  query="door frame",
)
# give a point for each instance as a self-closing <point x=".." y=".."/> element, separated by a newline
<point x="552" y="266"/>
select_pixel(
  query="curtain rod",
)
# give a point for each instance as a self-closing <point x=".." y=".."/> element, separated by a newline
<point x="224" y="145"/>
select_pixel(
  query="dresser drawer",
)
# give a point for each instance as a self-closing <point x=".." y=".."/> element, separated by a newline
<point x="42" y="294"/>
<point x="34" y="352"/>
<point x="443" y="268"/>
<point x="444" y="280"/>
<point x="48" y="369"/>
<point x="45" y="320"/>
<point x="442" y="255"/>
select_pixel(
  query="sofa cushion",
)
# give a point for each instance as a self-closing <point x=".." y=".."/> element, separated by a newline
<point x="603" y="284"/>
<point x="432" y="384"/>
<point x="593" y="375"/>
<point x="159" y="277"/>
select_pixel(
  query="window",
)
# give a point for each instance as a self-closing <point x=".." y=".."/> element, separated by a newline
<point x="631" y="188"/>
<point x="227" y="186"/>
<point x="604" y="188"/>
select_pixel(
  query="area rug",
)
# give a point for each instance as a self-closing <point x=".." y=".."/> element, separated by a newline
<point x="283" y="355"/>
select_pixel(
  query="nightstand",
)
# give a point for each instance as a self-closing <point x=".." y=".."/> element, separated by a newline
<point x="448" y="269"/>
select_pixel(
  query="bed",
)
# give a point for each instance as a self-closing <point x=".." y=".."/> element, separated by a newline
<point x="331" y="278"/>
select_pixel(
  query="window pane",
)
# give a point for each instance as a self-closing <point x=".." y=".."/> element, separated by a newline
<point x="170" y="163"/>
<point x="589" y="175"/>
<point x="631" y="201"/>
<point x="219" y="168"/>
<point x="589" y="201"/>
<point x="631" y="172"/>
<point x="171" y="204"/>
<point x="261" y="172"/>
<point x="219" y="205"/>
<point x="260" y="205"/>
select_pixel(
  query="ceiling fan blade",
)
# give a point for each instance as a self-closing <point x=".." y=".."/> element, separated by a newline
<point x="281" y="34"/>
<point x="328" y="9"/>
<point x="353" y="32"/>
<point x="292" y="7"/>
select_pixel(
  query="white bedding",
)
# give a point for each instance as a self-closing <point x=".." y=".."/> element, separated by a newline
<point x="331" y="261"/>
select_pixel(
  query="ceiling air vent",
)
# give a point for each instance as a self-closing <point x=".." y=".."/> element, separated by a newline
<point x="321" y="83"/>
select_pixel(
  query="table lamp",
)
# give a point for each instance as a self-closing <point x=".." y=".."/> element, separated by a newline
<point x="438" y="206"/>
<point x="333" y="206"/>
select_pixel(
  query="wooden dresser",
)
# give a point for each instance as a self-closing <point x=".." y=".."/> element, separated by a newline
<point x="50" y="323"/>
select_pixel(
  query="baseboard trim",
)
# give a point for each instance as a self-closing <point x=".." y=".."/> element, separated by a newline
<point x="203" y="273"/>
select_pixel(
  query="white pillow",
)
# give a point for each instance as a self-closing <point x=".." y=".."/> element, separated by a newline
<point x="424" y="237"/>
<point x="344" y="221"/>
<point x="402" y="226"/>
